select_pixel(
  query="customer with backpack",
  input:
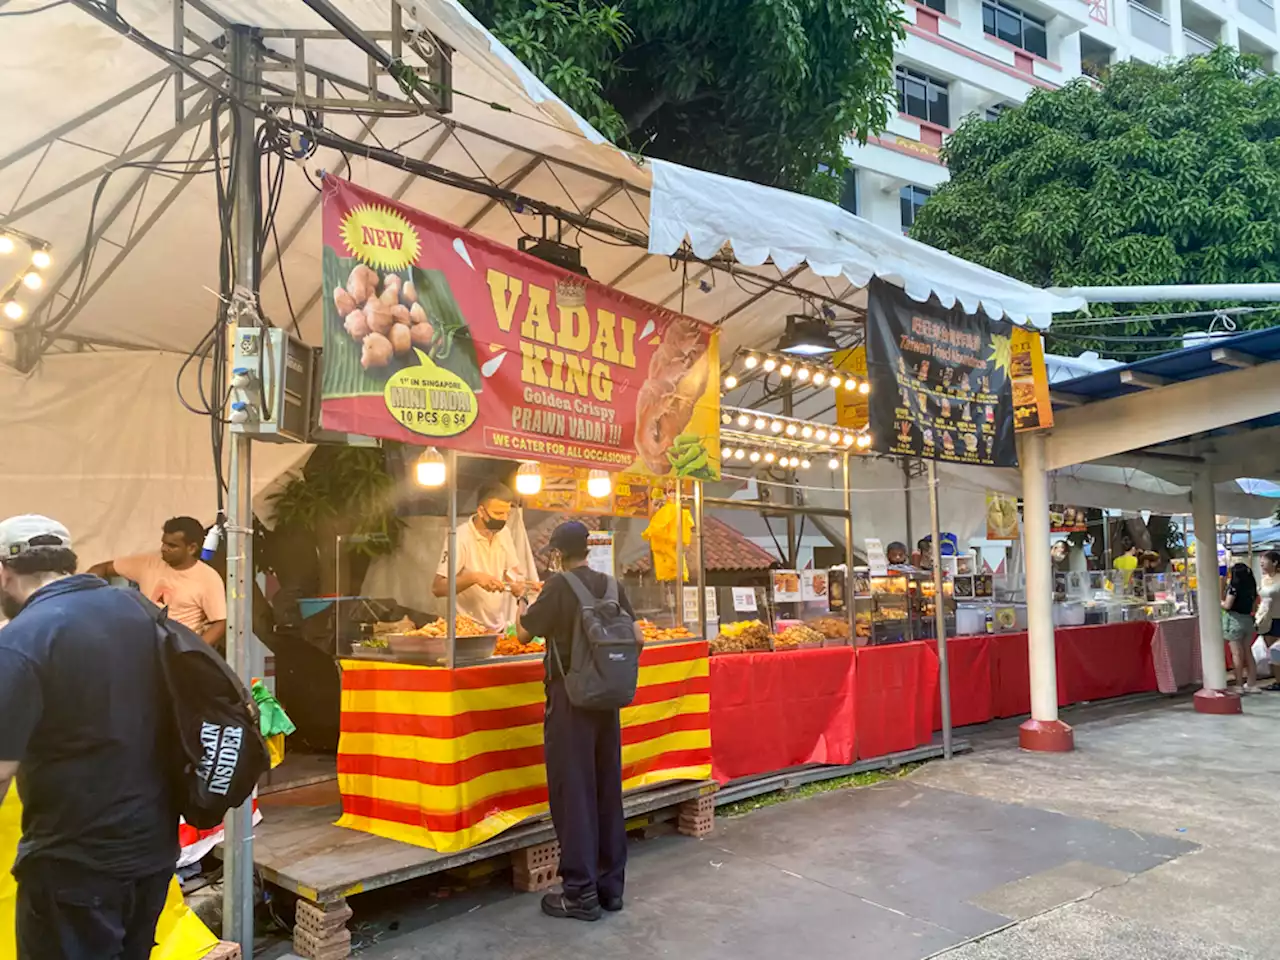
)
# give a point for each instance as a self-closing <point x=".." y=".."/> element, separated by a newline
<point x="592" y="667"/>
<point x="83" y="719"/>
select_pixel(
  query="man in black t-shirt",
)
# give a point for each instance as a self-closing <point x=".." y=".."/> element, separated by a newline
<point x="85" y="721"/>
<point x="583" y="747"/>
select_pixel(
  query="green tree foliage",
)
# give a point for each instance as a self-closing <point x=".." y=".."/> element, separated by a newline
<point x="1163" y="174"/>
<point x="766" y="90"/>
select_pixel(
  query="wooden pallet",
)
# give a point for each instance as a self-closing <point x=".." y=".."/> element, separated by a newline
<point x="298" y="848"/>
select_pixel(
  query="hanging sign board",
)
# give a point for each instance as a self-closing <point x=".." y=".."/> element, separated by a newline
<point x="1032" y="409"/>
<point x="786" y="586"/>
<point x="744" y="600"/>
<point x="690" y="597"/>
<point x="852" y="406"/>
<point x="1002" y="516"/>
<point x="940" y="385"/>
<point x="434" y="335"/>
<point x="813" y="585"/>
<point x="877" y="562"/>
<point x="600" y="551"/>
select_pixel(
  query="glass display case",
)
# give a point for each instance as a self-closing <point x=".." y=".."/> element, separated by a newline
<point x="898" y="607"/>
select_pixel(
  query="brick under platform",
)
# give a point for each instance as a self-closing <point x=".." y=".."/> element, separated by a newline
<point x="320" y="930"/>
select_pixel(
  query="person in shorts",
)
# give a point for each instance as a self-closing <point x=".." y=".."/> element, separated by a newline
<point x="1267" y="618"/>
<point x="1237" y="625"/>
<point x="86" y="716"/>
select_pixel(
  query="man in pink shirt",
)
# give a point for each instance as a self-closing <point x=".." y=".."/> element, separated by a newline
<point x="178" y="579"/>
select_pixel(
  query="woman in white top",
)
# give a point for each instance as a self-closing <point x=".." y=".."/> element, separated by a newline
<point x="1268" y="616"/>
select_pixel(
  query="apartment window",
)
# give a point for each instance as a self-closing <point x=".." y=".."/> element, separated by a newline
<point x="849" y="192"/>
<point x="938" y="5"/>
<point x="911" y="199"/>
<point x="994" y="112"/>
<point x="923" y="97"/>
<point x="1006" y="22"/>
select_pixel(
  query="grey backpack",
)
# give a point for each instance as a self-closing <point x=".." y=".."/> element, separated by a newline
<point x="604" y="666"/>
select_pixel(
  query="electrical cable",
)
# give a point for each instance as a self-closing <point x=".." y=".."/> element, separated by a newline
<point x="34" y="10"/>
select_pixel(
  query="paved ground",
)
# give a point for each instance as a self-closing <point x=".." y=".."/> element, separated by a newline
<point x="1152" y="840"/>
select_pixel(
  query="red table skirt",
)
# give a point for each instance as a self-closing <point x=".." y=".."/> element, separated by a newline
<point x="771" y="711"/>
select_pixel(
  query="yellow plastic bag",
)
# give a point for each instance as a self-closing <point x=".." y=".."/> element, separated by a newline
<point x="181" y="935"/>
<point x="275" y="749"/>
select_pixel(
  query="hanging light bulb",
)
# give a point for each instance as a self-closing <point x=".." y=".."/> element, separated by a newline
<point x="851" y="384"/>
<point x="13" y="310"/>
<point x="730" y="382"/>
<point x="820" y="434"/>
<point x="776" y="426"/>
<point x="819" y="378"/>
<point x="836" y="382"/>
<point x="792" y="429"/>
<point x="6" y="243"/>
<point x="529" y="479"/>
<point x="785" y="369"/>
<point x="833" y="464"/>
<point x="755" y="456"/>
<point x="864" y="440"/>
<point x="864" y="388"/>
<point x="805" y="464"/>
<point x="40" y="258"/>
<point x="802" y="374"/>
<point x="599" y="484"/>
<point x="743" y="419"/>
<point x="770" y="364"/>
<point x="430" y="469"/>
<point x="807" y="432"/>
<point x="769" y="457"/>
<point x="750" y="361"/>
<point x="760" y="423"/>
<point x="739" y="454"/>
<point x="33" y="280"/>
<point x="726" y="418"/>
<point x="848" y="439"/>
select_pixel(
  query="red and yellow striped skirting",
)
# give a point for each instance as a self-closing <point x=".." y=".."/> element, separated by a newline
<point x="446" y="759"/>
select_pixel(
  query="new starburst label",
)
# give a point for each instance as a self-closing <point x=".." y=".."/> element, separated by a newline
<point x="380" y="237"/>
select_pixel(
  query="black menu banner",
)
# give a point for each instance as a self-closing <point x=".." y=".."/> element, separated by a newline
<point x="940" y="380"/>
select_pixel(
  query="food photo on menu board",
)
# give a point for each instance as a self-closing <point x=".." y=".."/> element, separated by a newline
<point x="434" y="335"/>
<point x="940" y="381"/>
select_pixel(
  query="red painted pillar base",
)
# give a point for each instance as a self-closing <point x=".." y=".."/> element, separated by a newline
<point x="1217" y="701"/>
<point x="1049" y="736"/>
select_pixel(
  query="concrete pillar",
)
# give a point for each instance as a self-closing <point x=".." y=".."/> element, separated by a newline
<point x="1214" y="698"/>
<point x="1044" y="731"/>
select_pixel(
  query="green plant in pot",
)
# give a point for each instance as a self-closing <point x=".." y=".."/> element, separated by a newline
<point x="342" y="492"/>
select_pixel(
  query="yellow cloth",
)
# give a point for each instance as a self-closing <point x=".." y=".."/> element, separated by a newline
<point x="275" y="748"/>
<point x="181" y="935"/>
<point x="661" y="534"/>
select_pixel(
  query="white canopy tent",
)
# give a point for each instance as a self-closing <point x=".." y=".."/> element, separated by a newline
<point x="756" y="254"/>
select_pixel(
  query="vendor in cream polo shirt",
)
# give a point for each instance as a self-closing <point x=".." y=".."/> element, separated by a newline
<point x="490" y="574"/>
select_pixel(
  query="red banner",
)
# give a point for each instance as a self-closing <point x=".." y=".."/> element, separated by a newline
<point x="436" y="335"/>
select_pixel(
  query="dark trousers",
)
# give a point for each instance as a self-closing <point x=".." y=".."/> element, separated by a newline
<point x="584" y="777"/>
<point x="65" y="912"/>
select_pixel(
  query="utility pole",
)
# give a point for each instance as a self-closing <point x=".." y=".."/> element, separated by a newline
<point x="245" y="65"/>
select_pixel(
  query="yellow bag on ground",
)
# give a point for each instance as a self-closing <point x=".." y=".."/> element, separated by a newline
<point x="181" y="935"/>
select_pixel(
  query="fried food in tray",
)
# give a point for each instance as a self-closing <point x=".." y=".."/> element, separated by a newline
<point x="464" y="627"/>
<point x="655" y="634"/>
<point x="745" y="636"/>
<point x="509" y="646"/>
<point x="797" y="636"/>
<point x="832" y="628"/>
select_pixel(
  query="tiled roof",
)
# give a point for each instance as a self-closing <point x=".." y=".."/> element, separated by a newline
<point x="726" y="548"/>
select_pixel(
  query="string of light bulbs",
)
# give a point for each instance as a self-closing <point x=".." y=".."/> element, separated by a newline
<point x="786" y="428"/>
<point x="31" y="278"/>
<point x="802" y="371"/>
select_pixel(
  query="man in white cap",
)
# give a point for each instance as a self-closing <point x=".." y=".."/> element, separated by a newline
<point x="85" y="711"/>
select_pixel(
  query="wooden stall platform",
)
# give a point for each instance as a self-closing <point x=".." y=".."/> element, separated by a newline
<point x="298" y="848"/>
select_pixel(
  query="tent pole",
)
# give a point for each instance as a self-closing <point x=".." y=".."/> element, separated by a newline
<point x="848" y="553"/>
<point x="237" y="891"/>
<point x="939" y="611"/>
<point x="702" y="561"/>
<point x="451" y="461"/>
<point x="679" y="601"/>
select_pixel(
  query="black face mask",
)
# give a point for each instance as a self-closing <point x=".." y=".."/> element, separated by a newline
<point x="494" y="524"/>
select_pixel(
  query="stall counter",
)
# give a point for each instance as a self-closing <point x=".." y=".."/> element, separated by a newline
<point x="447" y="759"/>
